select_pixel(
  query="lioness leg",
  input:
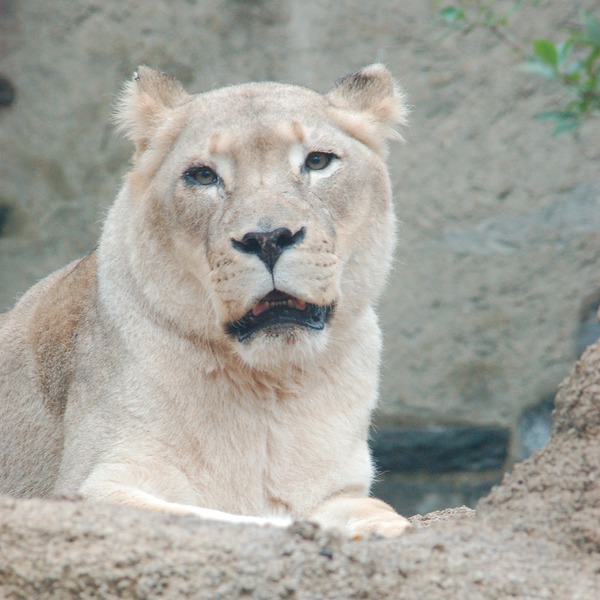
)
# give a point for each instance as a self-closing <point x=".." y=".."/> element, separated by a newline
<point x="135" y="498"/>
<point x="107" y="483"/>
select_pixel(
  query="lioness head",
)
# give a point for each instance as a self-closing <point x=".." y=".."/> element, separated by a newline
<point x="260" y="215"/>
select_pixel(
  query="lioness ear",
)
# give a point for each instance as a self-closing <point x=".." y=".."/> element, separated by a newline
<point x="144" y="102"/>
<point x="372" y="93"/>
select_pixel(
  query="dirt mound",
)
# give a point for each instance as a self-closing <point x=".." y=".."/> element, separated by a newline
<point x="537" y="535"/>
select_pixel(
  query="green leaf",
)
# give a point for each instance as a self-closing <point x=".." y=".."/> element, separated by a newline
<point x="491" y="20"/>
<point x="565" y="127"/>
<point x="539" y="68"/>
<point x="555" y="115"/>
<point x="589" y="64"/>
<point x="515" y="7"/>
<point x="592" y="28"/>
<point x="546" y="51"/>
<point x="452" y="14"/>
<point x="564" y="51"/>
<point x="565" y="120"/>
<point x="575" y="70"/>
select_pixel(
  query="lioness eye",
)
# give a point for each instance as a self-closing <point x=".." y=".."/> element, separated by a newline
<point x="202" y="175"/>
<point x="317" y="161"/>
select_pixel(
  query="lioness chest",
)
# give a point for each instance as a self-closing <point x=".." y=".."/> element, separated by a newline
<point x="215" y="438"/>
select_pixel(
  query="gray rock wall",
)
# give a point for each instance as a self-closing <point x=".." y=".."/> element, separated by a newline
<point x="499" y="248"/>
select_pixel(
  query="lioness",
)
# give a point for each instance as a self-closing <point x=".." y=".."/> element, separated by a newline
<point x="218" y="353"/>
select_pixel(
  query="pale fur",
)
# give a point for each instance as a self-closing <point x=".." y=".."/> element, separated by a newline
<point x="118" y="380"/>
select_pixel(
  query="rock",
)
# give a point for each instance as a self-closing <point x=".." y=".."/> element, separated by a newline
<point x="535" y="427"/>
<point x="4" y="213"/>
<point x="7" y="92"/>
<point x="495" y="327"/>
<point x="589" y="325"/>
<point x="422" y="493"/>
<point x="440" y="449"/>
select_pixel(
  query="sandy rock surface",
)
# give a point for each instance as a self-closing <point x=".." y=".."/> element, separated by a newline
<point x="537" y="535"/>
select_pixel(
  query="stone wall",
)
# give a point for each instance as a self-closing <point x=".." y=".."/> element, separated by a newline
<point x="498" y="260"/>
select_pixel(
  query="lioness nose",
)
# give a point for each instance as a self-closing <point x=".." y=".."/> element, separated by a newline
<point x="268" y="246"/>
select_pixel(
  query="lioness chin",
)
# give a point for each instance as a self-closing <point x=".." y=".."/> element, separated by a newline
<point x="218" y="354"/>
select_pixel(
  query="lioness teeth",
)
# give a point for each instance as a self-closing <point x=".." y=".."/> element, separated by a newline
<point x="261" y="307"/>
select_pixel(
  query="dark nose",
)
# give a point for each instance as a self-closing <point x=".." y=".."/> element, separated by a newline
<point x="268" y="246"/>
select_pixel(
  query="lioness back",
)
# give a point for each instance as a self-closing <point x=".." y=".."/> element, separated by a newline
<point x="218" y="354"/>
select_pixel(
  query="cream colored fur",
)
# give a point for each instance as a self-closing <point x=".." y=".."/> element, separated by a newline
<point x="118" y="378"/>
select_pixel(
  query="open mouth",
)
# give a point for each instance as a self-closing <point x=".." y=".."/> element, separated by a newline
<point x="277" y="310"/>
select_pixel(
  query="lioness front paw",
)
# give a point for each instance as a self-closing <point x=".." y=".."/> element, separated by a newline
<point x="360" y="517"/>
<point x="384" y="525"/>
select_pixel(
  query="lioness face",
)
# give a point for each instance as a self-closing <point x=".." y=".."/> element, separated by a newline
<point x="274" y="203"/>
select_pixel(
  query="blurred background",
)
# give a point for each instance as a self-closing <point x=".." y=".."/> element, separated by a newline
<point x="497" y="275"/>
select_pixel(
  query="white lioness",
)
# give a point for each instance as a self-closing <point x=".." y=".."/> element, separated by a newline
<point x="218" y="354"/>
